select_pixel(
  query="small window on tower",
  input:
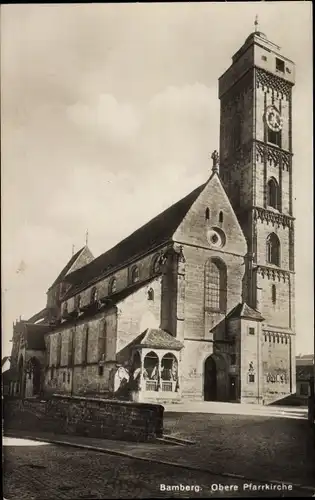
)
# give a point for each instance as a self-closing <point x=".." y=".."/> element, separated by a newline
<point x="251" y="331"/>
<point x="207" y="213"/>
<point x="274" y="137"/>
<point x="221" y="217"/>
<point x="264" y="58"/>
<point x="251" y="378"/>
<point x="279" y="65"/>
<point x="274" y="294"/>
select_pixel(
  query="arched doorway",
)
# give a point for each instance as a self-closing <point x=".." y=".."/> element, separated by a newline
<point x="210" y="380"/>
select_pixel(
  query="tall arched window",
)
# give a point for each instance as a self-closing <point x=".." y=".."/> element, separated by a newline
<point x="85" y="344"/>
<point x="134" y="274"/>
<point x="112" y="286"/>
<point x="221" y="216"/>
<point x="215" y="285"/>
<point x="65" y="309"/>
<point x="207" y="214"/>
<point x="93" y="295"/>
<point x="156" y="264"/>
<point x="273" y="193"/>
<point x="273" y="294"/>
<point x="150" y="294"/>
<point x="78" y="302"/>
<point x="273" y="249"/>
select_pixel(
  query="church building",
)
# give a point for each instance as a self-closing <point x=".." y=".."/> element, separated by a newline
<point x="198" y="304"/>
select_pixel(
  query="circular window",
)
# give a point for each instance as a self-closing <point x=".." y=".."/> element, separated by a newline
<point x="216" y="237"/>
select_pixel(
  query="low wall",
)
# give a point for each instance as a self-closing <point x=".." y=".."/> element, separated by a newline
<point x="106" y="419"/>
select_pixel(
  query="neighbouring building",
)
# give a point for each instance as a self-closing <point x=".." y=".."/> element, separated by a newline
<point x="304" y="375"/>
<point x="199" y="302"/>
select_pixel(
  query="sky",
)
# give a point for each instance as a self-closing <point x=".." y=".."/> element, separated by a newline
<point x="108" y="115"/>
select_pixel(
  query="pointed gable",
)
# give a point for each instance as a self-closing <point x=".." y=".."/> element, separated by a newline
<point x="80" y="259"/>
<point x="212" y="209"/>
<point x="244" y="311"/>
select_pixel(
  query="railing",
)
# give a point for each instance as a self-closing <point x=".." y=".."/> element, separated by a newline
<point x="167" y="386"/>
<point x="151" y="385"/>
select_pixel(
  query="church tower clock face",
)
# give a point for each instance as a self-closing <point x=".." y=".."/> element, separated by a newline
<point x="273" y="119"/>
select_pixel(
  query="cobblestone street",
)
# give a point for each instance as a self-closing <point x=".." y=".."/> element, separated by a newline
<point x="256" y="447"/>
<point x="52" y="472"/>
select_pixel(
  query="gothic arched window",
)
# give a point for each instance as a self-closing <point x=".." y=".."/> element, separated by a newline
<point x="65" y="309"/>
<point x="150" y="294"/>
<point x="93" y="295"/>
<point x="78" y="302"/>
<point x="112" y="286"/>
<point x="85" y="344"/>
<point x="156" y="264"/>
<point x="273" y="294"/>
<point x="135" y="274"/>
<point x="273" y="249"/>
<point x="215" y="285"/>
<point x="221" y="216"/>
<point x="273" y="193"/>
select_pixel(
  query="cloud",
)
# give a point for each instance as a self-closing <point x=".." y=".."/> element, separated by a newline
<point x="116" y="122"/>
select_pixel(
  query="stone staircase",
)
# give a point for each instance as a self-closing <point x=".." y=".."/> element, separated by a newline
<point x="237" y="409"/>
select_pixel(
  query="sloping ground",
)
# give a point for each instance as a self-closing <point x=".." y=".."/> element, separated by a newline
<point x="237" y="409"/>
<point x="255" y="446"/>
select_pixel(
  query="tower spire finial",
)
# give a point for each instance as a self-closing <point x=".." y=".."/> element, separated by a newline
<point x="215" y="160"/>
<point x="73" y="247"/>
<point x="256" y="22"/>
<point x="87" y="237"/>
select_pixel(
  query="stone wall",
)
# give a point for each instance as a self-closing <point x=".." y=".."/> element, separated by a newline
<point x="136" y="313"/>
<point x="98" y="418"/>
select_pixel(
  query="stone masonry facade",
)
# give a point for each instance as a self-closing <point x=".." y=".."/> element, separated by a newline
<point x="199" y="302"/>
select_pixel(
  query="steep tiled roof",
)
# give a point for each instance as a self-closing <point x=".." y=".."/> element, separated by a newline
<point x="156" y="338"/>
<point x="67" y="268"/>
<point x="156" y="232"/>
<point x="242" y="310"/>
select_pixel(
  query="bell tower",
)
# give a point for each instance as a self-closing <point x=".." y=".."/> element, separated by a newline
<point x="256" y="169"/>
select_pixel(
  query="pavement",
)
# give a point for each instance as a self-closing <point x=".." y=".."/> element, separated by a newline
<point x="241" y="448"/>
<point x="50" y="472"/>
<point x="238" y="409"/>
